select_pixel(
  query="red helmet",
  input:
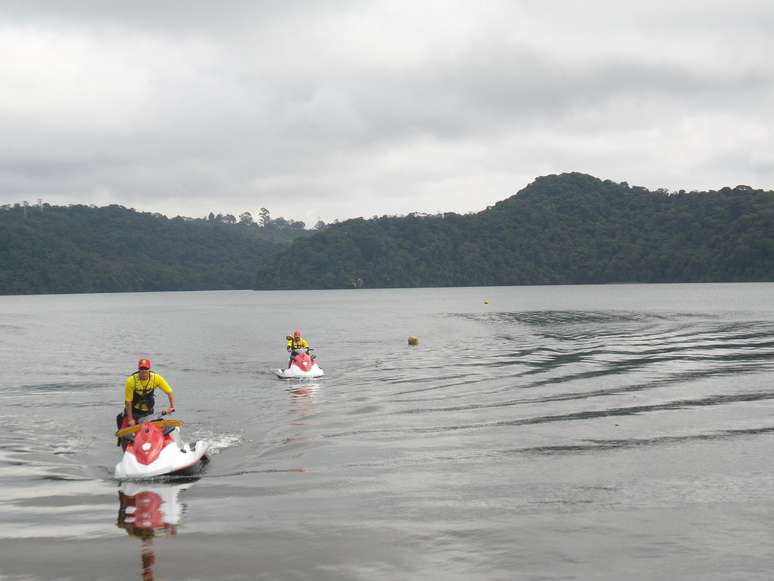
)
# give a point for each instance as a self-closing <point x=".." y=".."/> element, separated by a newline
<point x="297" y="334"/>
<point x="144" y="364"/>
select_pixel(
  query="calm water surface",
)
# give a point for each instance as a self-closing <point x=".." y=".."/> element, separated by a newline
<point x="587" y="432"/>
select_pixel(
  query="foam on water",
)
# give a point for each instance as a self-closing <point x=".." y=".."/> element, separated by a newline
<point x="218" y="442"/>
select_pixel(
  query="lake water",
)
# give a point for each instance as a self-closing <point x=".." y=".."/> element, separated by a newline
<point x="569" y="432"/>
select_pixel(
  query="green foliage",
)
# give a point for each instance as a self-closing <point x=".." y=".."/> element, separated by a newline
<point x="565" y="229"/>
<point x="561" y="229"/>
<point x="54" y="249"/>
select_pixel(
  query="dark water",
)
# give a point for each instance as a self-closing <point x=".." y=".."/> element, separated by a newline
<point x="594" y="432"/>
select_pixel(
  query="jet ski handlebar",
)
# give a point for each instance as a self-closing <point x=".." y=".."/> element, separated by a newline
<point x="157" y="420"/>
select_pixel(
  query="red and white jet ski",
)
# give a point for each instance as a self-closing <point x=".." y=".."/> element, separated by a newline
<point x="302" y="366"/>
<point x="157" y="450"/>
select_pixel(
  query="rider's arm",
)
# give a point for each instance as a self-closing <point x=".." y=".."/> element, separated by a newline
<point x="128" y="397"/>
<point x="162" y="384"/>
<point x="304" y="344"/>
<point x="129" y="416"/>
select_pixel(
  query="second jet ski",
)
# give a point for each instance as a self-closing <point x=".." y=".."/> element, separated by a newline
<point x="302" y="365"/>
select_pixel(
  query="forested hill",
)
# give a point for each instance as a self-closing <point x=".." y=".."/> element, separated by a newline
<point x="570" y="228"/>
<point x="57" y="249"/>
<point x="561" y="229"/>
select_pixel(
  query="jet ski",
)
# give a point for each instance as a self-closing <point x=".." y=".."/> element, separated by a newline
<point x="302" y="366"/>
<point x="155" y="449"/>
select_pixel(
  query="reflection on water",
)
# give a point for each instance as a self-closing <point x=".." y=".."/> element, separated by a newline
<point x="301" y="399"/>
<point x="146" y="510"/>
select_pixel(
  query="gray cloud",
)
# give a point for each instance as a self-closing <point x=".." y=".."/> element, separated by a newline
<point x="332" y="110"/>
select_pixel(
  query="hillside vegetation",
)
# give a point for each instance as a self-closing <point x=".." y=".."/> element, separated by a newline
<point x="79" y="249"/>
<point x="561" y="229"/>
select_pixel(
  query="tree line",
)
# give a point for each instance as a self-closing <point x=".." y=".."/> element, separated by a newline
<point x="84" y="249"/>
<point x="561" y="229"/>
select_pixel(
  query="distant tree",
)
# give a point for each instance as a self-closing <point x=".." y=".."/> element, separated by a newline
<point x="246" y="218"/>
<point x="320" y="225"/>
<point x="211" y="217"/>
<point x="229" y="219"/>
<point x="264" y="218"/>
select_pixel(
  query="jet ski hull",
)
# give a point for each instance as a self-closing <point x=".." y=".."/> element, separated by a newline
<point x="174" y="458"/>
<point x="295" y="372"/>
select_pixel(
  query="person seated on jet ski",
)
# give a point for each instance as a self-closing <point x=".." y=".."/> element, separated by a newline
<point x="139" y="396"/>
<point x="295" y="345"/>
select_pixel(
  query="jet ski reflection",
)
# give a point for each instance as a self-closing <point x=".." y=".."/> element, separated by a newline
<point x="146" y="510"/>
<point x="301" y="399"/>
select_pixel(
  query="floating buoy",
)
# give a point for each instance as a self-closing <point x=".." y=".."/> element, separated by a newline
<point x="413" y="340"/>
<point x="486" y="301"/>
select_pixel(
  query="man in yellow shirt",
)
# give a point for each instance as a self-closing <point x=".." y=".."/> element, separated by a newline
<point x="295" y="344"/>
<point x="139" y="396"/>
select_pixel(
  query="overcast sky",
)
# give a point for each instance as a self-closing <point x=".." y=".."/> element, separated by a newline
<point x="323" y="110"/>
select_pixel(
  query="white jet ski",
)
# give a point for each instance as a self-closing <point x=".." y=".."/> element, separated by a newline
<point x="302" y="366"/>
<point x="156" y="450"/>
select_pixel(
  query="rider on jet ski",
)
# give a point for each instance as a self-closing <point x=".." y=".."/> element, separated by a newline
<point x="139" y="396"/>
<point x="295" y="344"/>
